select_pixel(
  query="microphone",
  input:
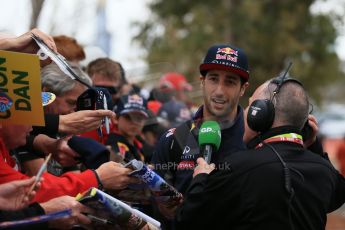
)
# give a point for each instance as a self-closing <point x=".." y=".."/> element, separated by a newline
<point x="209" y="139"/>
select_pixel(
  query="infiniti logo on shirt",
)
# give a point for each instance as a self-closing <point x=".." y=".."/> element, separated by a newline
<point x="186" y="150"/>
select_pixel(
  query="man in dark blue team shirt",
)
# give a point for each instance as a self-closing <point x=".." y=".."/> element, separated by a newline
<point x="224" y="79"/>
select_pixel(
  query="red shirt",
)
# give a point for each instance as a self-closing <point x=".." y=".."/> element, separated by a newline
<point x="95" y="135"/>
<point x="67" y="184"/>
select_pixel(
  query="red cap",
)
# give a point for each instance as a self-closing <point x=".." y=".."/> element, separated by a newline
<point x="154" y="106"/>
<point x="174" y="81"/>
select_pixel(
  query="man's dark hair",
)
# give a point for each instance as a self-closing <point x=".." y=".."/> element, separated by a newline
<point x="241" y="79"/>
<point x="107" y="67"/>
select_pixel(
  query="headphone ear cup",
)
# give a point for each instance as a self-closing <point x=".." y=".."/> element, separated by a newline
<point x="260" y="115"/>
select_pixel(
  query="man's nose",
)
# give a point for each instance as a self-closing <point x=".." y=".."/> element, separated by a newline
<point x="220" y="88"/>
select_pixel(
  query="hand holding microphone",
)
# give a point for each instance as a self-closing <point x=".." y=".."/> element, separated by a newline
<point x="209" y="139"/>
<point x="203" y="167"/>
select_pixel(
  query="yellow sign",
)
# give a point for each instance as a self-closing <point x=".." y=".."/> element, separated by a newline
<point x="20" y="80"/>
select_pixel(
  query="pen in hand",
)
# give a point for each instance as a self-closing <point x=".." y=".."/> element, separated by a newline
<point x="40" y="172"/>
<point x="98" y="219"/>
<point x="105" y="105"/>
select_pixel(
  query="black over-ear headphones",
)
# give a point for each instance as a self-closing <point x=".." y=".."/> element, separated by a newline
<point x="261" y="112"/>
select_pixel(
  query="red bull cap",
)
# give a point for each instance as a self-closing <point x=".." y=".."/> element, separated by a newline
<point x="226" y="57"/>
<point x="131" y="103"/>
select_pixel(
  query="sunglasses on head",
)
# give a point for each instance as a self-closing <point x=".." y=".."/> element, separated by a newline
<point x="111" y="89"/>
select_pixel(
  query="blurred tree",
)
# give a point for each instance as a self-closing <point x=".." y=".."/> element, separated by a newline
<point x="271" y="32"/>
<point x="36" y="6"/>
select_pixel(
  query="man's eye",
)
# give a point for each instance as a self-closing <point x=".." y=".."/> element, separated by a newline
<point x="230" y="82"/>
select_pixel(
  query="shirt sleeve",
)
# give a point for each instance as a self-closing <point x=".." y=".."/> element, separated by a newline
<point x="67" y="184"/>
<point x="33" y="210"/>
<point x="338" y="197"/>
<point x="51" y="127"/>
<point x="23" y="154"/>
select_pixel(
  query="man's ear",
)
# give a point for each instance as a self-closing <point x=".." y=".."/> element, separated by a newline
<point x="202" y="80"/>
<point x="243" y="88"/>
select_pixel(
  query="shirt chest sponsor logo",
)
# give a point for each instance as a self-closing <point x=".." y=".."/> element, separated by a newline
<point x="190" y="153"/>
<point x="186" y="150"/>
<point x="186" y="165"/>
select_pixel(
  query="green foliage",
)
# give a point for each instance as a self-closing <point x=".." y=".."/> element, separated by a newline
<point x="272" y="32"/>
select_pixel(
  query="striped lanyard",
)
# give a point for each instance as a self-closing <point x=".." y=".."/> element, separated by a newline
<point x="287" y="137"/>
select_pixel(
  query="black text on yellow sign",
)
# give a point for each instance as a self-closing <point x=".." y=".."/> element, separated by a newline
<point x="20" y="80"/>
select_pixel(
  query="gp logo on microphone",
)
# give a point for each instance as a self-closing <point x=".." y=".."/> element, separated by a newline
<point x="209" y="129"/>
<point x="206" y="130"/>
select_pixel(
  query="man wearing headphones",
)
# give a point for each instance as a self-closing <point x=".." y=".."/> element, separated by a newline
<point x="276" y="184"/>
<point x="223" y="80"/>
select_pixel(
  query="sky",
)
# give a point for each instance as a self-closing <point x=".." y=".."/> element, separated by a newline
<point x="60" y="16"/>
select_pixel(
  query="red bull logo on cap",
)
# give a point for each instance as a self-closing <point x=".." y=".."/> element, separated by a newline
<point x="227" y="53"/>
<point x="227" y="50"/>
<point x="135" y="99"/>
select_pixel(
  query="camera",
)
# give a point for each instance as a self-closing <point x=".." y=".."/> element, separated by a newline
<point x="93" y="98"/>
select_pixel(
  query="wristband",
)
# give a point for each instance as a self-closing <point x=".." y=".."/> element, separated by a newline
<point x="100" y="185"/>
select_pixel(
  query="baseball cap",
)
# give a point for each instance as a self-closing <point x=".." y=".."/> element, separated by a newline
<point x="131" y="103"/>
<point x="174" y="81"/>
<point x="92" y="153"/>
<point x="226" y="57"/>
<point x="175" y="112"/>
